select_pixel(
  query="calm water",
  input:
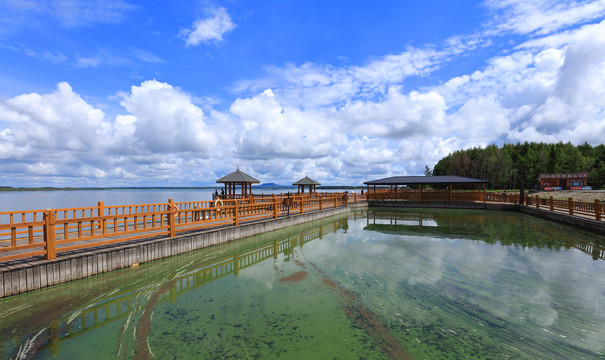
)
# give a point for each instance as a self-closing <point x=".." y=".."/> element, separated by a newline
<point x="437" y="284"/>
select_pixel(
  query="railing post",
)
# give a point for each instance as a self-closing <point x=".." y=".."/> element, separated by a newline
<point x="597" y="209"/>
<point x="537" y="202"/>
<point x="171" y="215"/>
<point x="527" y="199"/>
<point x="302" y="204"/>
<point x="321" y="202"/>
<point x="236" y="217"/>
<point x="100" y="212"/>
<point x="552" y="204"/>
<point x="274" y="206"/>
<point x="49" y="234"/>
<point x="570" y="205"/>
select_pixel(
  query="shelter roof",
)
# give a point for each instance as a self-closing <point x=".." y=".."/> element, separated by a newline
<point x="306" y="181"/>
<point x="426" y="180"/>
<point x="238" y="177"/>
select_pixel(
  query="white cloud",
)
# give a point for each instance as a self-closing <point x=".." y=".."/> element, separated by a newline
<point x="166" y="119"/>
<point x="61" y="120"/>
<point x="42" y="169"/>
<point x="575" y="108"/>
<point x="269" y="130"/>
<point x="60" y="134"/>
<point x="398" y="116"/>
<point x="208" y="29"/>
<point x="312" y="85"/>
<point x="542" y="17"/>
<point x="117" y="57"/>
<point x="73" y="13"/>
<point x="19" y="14"/>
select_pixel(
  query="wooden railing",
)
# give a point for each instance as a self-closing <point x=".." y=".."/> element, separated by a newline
<point x="593" y="209"/>
<point x="31" y="233"/>
<point x="570" y="206"/>
<point x="427" y="195"/>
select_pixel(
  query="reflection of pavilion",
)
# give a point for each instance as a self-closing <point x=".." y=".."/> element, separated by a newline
<point x="476" y="227"/>
<point x="120" y="305"/>
<point x="423" y="224"/>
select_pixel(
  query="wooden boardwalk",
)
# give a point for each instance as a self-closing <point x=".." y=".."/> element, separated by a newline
<point x="36" y="235"/>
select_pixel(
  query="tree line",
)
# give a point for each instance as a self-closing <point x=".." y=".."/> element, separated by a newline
<point x="509" y="166"/>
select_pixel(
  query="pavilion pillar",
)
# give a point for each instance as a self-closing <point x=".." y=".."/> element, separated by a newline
<point x="483" y="192"/>
<point x="420" y="192"/>
<point x="450" y="187"/>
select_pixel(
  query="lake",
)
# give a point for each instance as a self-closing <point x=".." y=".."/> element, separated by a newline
<point x="373" y="284"/>
<point x="37" y="200"/>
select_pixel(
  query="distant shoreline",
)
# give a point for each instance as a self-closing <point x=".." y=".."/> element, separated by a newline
<point x="50" y="188"/>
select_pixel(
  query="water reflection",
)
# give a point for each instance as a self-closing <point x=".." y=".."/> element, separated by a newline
<point x="490" y="227"/>
<point x="37" y="337"/>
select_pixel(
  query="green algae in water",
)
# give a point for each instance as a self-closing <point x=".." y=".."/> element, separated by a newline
<point x="436" y="284"/>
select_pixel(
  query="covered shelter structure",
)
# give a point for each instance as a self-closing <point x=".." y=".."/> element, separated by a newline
<point x="235" y="179"/>
<point x="396" y="188"/>
<point x="306" y="181"/>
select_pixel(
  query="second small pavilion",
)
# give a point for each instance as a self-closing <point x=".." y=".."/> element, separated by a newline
<point x="306" y="181"/>
<point x="235" y="179"/>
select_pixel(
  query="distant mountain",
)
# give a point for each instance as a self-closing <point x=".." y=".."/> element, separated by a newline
<point x="272" y="186"/>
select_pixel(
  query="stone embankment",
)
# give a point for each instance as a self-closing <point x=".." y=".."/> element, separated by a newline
<point x="577" y="195"/>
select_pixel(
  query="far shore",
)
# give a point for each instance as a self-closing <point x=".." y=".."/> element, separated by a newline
<point x="255" y="189"/>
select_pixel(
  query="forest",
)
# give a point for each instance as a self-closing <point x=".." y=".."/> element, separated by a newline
<point x="509" y="166"/>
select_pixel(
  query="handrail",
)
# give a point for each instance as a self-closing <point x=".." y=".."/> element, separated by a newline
<point x="593" y="209"/>
<point x="31" y="233"/>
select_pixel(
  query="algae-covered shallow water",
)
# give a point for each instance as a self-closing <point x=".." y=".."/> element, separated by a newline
<point x="411" y="284"/>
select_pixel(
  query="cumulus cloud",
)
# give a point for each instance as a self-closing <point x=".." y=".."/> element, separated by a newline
<point x="397" y="116"/>
<point x="166" y="119"/>
<point x="574" y="109"/>
<point x="61" y="120"/>
<point x="61" y="134"/>
<point x="269" y="130"/>
<point x="211" y="28"/>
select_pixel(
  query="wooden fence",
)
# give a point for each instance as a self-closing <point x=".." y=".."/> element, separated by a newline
<point x="426" y="195"/>
<point x="592" y="209"/>
<point x="31" y="233"/>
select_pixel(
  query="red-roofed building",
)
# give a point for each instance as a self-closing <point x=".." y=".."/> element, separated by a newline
<point x="563" y="181"/>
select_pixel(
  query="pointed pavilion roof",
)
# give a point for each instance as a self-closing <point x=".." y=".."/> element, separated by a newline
<point x="238" y="177"/>
<point x="306" y="181"/>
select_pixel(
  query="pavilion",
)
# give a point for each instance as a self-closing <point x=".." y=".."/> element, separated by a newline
<point x="238" y="178"/>
<point x="306" y="181"/>
<point x="448" y="180"/>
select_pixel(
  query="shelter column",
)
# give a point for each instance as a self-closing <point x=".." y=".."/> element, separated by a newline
<point x="450" y="191"/>
<point x="420" y="192"/>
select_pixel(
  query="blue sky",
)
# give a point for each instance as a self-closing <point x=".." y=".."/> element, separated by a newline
<point x="124" y="93"/>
